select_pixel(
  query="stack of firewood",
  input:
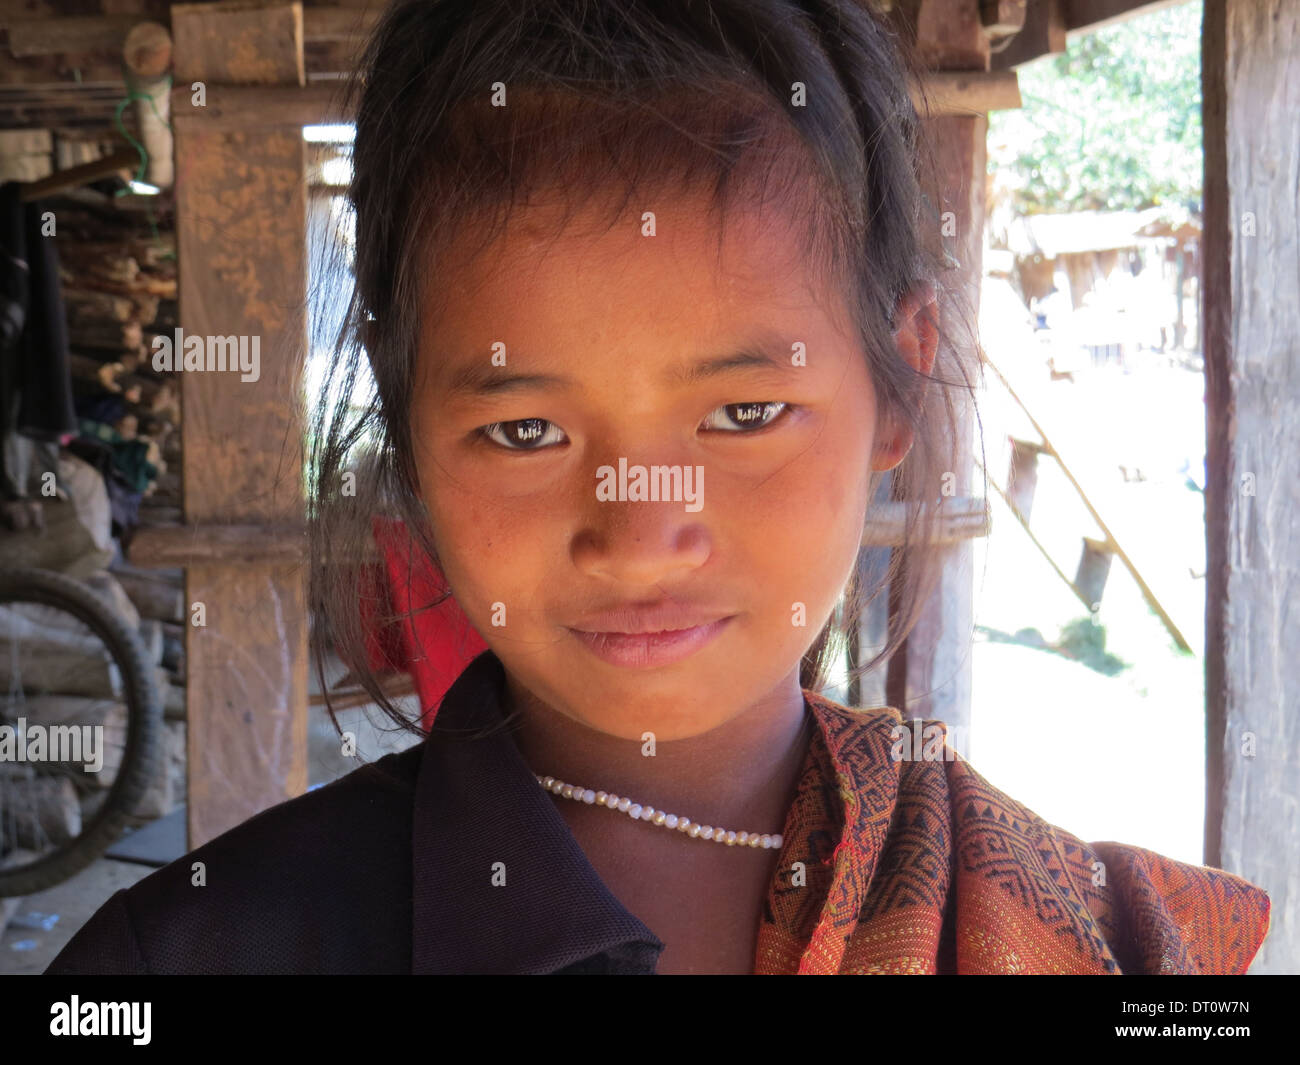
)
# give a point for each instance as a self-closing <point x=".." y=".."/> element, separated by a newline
<point x="119" y="290"/>
<point x="62" y="678"/>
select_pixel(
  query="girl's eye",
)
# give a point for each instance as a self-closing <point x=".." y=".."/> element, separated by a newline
<point x="534" y="434"/>
<point x="748" y="416"/>
<point x="528" y="434"/>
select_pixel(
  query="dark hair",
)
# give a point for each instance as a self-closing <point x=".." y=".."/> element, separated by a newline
<point x="604" y="93"/>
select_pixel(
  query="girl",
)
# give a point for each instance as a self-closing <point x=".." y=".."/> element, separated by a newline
<point x="649" y="297"/>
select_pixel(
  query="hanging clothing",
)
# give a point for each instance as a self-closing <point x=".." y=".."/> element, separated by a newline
<point x="887" y="866"/>
<point x="35" y="363"/>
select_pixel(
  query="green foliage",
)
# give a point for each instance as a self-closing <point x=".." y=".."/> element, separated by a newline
<point x="1112" y="124"/>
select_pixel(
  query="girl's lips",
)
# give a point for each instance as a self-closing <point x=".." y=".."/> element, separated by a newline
<point x="646" y="649"/>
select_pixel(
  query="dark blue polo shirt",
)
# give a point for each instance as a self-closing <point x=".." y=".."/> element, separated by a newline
<point x="386" y="870"/>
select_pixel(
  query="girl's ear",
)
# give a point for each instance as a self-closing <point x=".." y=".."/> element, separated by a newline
<point x="915" y="326"/>
<point x="916" y="336"/>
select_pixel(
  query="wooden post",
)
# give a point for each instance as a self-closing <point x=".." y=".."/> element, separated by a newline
<point x="1252" y="369"/>
<point x="241" y="243"/>
<point x="931" y="675"/>
<point x="1093" y="570"/>
<point x="1022" y="476"/>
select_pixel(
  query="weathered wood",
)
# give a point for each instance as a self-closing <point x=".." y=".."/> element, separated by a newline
<point x="1022" y="476"/>
<point x="106" y="586"/>
<point x="239" y="41"/>
<point x="1002" y="18"/>
<point x="1093" y="15"/>
<point x="53" y="669"/>
<point x="341" y="23"/>
<point x="158" y="597"/>
<point x="147" y="49"/>
<point x="78" y="711"/>
<point x="949" y="35"/>
<point x="1090" y="576"/>
<point x="231" y="107"/>
<point x="1043" y="34"/>
<point x="151" y="636"/>
<point x="174" y="703"/>
<point x="1252" y="365"/>
<point x="147" y="53"/>
<point x="72" y="34"/>
<point x="106" y="336"/>
<point x="961" y="519"/>
<point x="90" y="305"/>
<point x="967" y="93"/>
<point x="187" y="545"/>
<point x="930" y="676"/>
<point x="68" y="34"/>
<point x="120" y="162"/>
<point x="242" y="243"/>
<point x="37" y="811"/>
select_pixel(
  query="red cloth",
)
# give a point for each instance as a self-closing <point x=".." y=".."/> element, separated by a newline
<point x="433" y="645"/>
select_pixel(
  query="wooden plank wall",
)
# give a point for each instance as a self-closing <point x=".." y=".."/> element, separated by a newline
<point x="241" y="244"/>
<point x="1251" y="311"/>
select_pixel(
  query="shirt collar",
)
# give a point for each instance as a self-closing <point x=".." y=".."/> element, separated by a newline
<point x="501" y="884"/>
<point x="478" y="804"/>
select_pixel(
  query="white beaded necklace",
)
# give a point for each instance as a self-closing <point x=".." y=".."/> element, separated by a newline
<point x="658" y="817"/>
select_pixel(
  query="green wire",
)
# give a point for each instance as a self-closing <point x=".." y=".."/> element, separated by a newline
<point x="132" y="94"/>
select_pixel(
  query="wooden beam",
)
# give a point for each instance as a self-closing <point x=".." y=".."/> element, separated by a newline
<point x="950" y="36"/>
<point x="1043" y="34"/>
<point x="1050" y="24"/>
<point x="234" y="107"/>
<point x="159" y="546"/>
<point x="238" y="107"/>
<point x="242" y="245"/>
<point x="960" y="92"/>
<point x="74" y="177"/>
<point x="70" y="35"/>
<point x="963" y="519"/>
<point x="1088" y="16"/>
<point x="338" y="23"/>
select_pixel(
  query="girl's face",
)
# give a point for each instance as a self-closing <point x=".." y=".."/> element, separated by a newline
<point x="735" y="367"/>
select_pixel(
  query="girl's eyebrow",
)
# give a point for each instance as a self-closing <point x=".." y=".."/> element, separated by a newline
<point x="478" y="379"/>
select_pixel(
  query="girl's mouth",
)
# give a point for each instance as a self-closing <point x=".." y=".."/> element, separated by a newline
<point x="647" y="649"/>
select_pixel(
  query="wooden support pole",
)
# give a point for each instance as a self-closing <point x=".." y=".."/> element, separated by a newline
<point x="1252" y="369"/>
<point x="241" y="241"/>
<point x="930" y="676"/>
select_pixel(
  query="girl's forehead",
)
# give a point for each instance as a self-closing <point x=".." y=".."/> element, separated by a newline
<point x="668" y="240"/>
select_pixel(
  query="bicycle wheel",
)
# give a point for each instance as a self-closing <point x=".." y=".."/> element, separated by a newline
<point x="69" y="665"/>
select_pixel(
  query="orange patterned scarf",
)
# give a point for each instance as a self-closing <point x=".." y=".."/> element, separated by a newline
<point x="904" y="861"/>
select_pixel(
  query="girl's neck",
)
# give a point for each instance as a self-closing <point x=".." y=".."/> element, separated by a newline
<point x="741" y="775"/>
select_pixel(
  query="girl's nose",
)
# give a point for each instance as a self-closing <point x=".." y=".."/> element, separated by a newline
<point x="640" y="544"/>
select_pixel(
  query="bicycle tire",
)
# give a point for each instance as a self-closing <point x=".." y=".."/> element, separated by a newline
<point x="144" y="725"/>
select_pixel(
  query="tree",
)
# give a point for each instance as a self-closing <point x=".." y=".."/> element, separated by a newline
<point x="1114" y="123"/>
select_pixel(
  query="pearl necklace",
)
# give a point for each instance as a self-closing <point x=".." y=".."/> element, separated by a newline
<point x="658" y="817"/>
